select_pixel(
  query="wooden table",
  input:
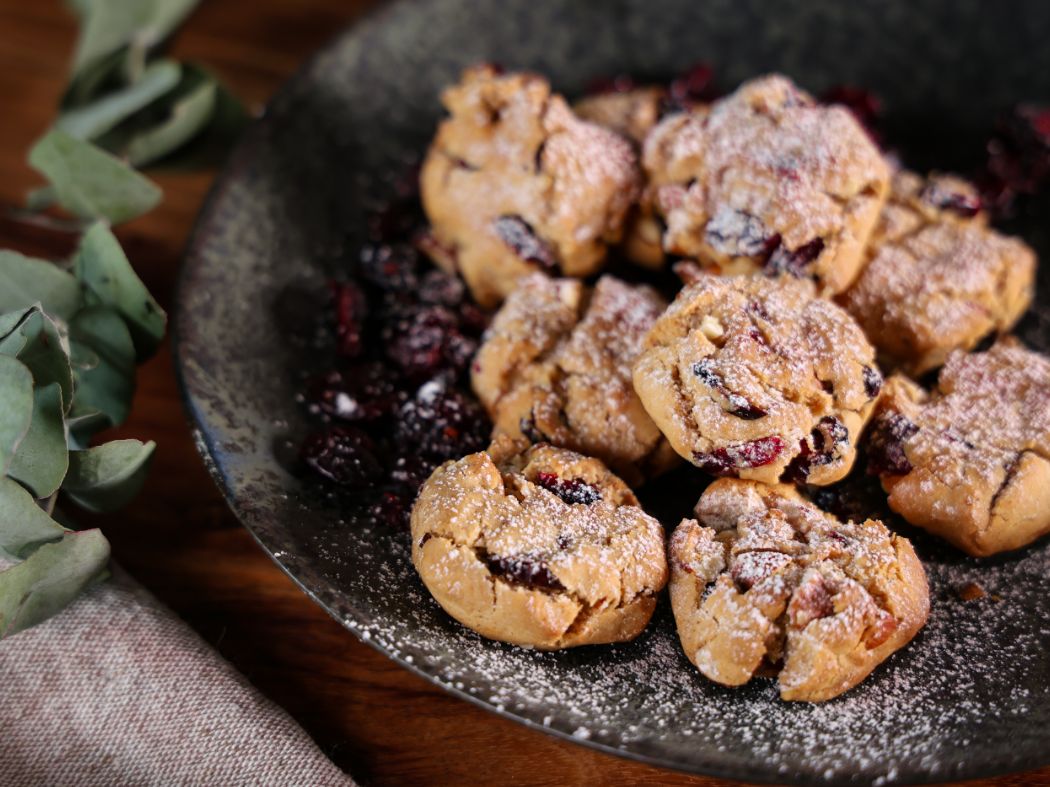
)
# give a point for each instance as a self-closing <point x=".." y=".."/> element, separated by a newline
<point x="382" y="724"/>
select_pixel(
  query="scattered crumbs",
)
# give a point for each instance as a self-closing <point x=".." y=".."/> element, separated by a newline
<point x="582" y="733"/>
<point x="970" y="591"/>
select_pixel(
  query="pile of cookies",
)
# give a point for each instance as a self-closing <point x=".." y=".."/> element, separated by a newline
<point x="809" y="262"/>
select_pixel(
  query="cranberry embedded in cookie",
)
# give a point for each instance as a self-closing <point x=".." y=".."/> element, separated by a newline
<point x="761" y="379"/>
<point x="938" y="278"/>
<point x="555" y="366"/>
<point x="767" y="179"/>
<point x="765" y="580"/>
<point x="514" y="182"/>
<point x="969" y="461"/>
<point x="540" y="547"/>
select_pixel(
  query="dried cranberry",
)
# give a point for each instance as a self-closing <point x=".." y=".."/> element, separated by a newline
<point x="886" y="454"/>
<point x="696" y="84"/>
<point x="829" y="433"/>
<point x="364" y="392"/>
<point x="343" y="454"/>
<point x="524" y="571"/>
<point x="571" y="490"/>
<point x="391" y="267"/>
<point x="424" y="340"/>
<point x="519" y="236"/>
<point x="865" y="105"/>
<point x="441" y="422"/>
<point x="962" y="203"/>
<point x="350" y="312"/>
<point x="740" y="456"/>
<point x="441" y="289"/>
<point x="397" y="219"/>
<point x="738" y="405"/>
<point x="620" y="83"/>
<point x="390" y="509"/>
<point x="1018" y="158"/>
<point x="411" y="470"/>
<point x="783" y="260"/>
<point x="872" y="381"/>
<point x="738" y="234"/>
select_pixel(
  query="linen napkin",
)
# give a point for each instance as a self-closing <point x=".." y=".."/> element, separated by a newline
<point x="116" y="690"/>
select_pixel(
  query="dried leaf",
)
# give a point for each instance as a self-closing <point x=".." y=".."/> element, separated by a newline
<point x="25" y="281"/>
<point x="50" y="578"/>
<point x="105" y="272"/>
<point x="190" y="110"/>
<point x="38" y="342"/>
<point x="24" y="525"/>
<point x="107" y="477"/>
<point x="91" y="183"/>
<point x="42" y="458"/>
<point x="91" y="120"/>
<point x="111" y="25"/>
<point x="16" y="408"/>
<point x="103" y="366"/>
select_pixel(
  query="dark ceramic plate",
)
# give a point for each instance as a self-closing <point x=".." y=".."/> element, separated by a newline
<point x="970" y="697"/>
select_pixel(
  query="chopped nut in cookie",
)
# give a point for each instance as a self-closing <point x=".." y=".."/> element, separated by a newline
<point x="970" y="461"/>
<point x="938" y="278"/>
<point x="767" y="179"/>
<point x="759" y="378"/>
<point x="538" y="546"/>
<point x="764" y="580"/>
<point x="514" y="182"/>
<point x="555" y="366"/>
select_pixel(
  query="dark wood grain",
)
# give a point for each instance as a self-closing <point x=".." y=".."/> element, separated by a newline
<point x="382" y="724"/>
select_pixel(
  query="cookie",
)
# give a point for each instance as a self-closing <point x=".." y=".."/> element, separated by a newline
<point x="555" y="366"/>
<point x="544" y="548"/>
<point x="758" y="378"/>
<point x="514" y="182"/>
<point x="764" y="581"/>
<point x="632" y="113"/>
<point x="938" y="278"/>
<point x="970" y="461"/>
<point x="767" y="179"/>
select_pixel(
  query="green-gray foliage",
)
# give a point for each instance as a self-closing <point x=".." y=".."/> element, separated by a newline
<point x="72" y="332"/>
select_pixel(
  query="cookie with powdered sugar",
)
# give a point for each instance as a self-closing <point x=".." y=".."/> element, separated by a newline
<point x="763" y="581"/>
<point x="539" y="547"/>
<point x="969" y="461"/>
<point x="555" y="366"/>
<point x="514" y="182"/>
<point x="758" y="378"/>
<point x="767" y="179"/>
<point x="938" y="278"/>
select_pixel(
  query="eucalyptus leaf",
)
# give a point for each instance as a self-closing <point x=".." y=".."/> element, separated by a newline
<point x="16" y="408"/>
<point x="25" y="281"/>
<point x="96" y="78"/>
<point x="107" y="477"/>
<point x="82" y="425"/>
<point x="110" y="25"/>
<point x="90" y="120"/>
<point x="211" y="144"/>
<point x="50" y="578"/>
<point x="24" y="525"/>
<point x="105" y="272"/>
<point x="40" y="199"/>
<point x="104" y="366"/>
<point x="41" y="460"/>
<point x="89" y="182"/>
<point x="39" y="343"/>
<point x="190" y="112"/>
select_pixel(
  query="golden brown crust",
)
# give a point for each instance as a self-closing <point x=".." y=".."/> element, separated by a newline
<point x="631" y="113"/>
<point x="514" y="181"/>
<point x="969" y="462"/>
<point x="767" y="178"/>
<point x="759" y="378"/>
<point x="764" y="579"/>
<point x="938" y="279"/>
<point x="555" y="366"/>
<point x="540" y="547"/>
